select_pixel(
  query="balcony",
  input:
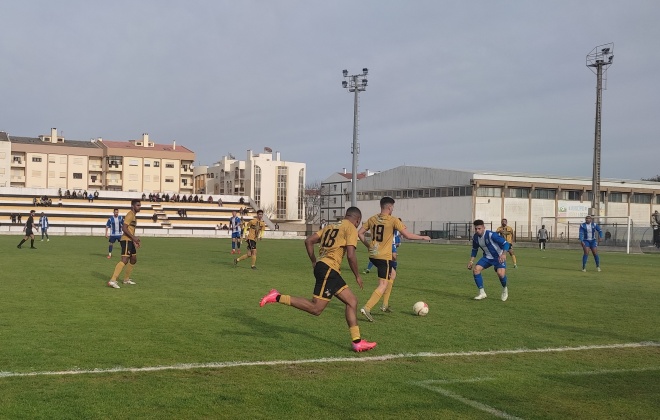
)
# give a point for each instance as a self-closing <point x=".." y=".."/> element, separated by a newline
<point x="18" y="178"/>
<point x="18" y="163"/>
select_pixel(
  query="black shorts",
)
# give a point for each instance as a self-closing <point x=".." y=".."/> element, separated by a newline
<point x="384" y="268"/>
<point x="328" y="282"/>
<point x="127" y="248"/>
<point x="251" y="244"/>
<point x="28" y="232"/>
<point x="542" y="241"/>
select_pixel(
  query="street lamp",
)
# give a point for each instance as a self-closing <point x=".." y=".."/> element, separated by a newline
<point x="355" y="83"/>
<point x="598" y="60"/>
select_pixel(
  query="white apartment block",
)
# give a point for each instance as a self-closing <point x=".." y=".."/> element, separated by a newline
<point x="51" y="161"/>
<point x="276" y="186"/>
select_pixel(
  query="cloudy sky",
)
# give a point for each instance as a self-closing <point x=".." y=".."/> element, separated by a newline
<point x="483" y="84"/>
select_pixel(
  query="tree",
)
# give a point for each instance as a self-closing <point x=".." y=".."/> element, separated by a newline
<point x="313" y="202"/>
<point x="654" y="179"/>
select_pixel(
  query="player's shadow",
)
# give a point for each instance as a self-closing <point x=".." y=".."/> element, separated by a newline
<point x="260" y="328"/>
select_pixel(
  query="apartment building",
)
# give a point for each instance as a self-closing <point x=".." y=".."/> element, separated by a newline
<point x="51" y="161"/>
<point x="275" y="185"/>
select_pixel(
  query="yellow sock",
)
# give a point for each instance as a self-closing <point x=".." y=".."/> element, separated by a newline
<point x="242" y="257"/>
<point x="514" y="260"/>
<point x="118" y="268"/>
<point x="127" y="272"/>
<point x="355" y="332"/>
<point x="388" y="292"/>
<point x="373" y="300"/>
<point x="285" y="300"/>
<point x="254" y="260"/>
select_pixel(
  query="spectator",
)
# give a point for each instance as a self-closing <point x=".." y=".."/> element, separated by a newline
<point x="96" y="194"/>
<point x="84" y="195"/>
<point x="277" y="226"/>
<point x="59" y="192"/>
<point x="242" y="200"/>
<point x="90" y="198"/>
<point x="60" y="202"/>
<point x="219" y="201"/>
<point x="74" y="195"/>
<point x="210" y="200"/>
<point x="67" y="194"/>
<point x="144" y="196"/>
<point x="34" y="201"/>
<point x="196" y="199"/>
<point x="154" y="217"/>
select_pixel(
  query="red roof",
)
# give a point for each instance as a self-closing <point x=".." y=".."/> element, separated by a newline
<point x="349" y="175"/>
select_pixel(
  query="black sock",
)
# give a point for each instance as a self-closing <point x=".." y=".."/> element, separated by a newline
<point x="31" y="242"/>
<point x="22" y="242"/>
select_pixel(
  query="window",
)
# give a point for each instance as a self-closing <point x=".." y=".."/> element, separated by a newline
<point x="77" y="175"/>
<point x="62" y="175"/>
<point x="282" y="180"/>
<point x="133" y="162"/>
<point x="544" y="194"/>
<point x="147" y="178"/>
<point x="132" y="177"/>
<point x="169" y="165"/>
<point x="489" y="192"/>
<point x="169" y="179"/>
<point x="641" y="198"/>
<point x="77" y="161"/>
<point x="618" y="197"/>
<point x="257" y="185"/>
<point x="156" y="164"/>
<point x="519" y="192"/>
<point x="17" y="159"/>
<point x="51" y="159"/>
<point x="93" y="178"/>
<point x="590" y="196"/>
<point x="62" y="159"/>
<point x="36" y="159"/>
<point x="571" y="195"/>
<point x="51" y="174"/>
<point x="147" y="164"/>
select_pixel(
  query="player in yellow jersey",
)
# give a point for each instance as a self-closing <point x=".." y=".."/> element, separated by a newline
<point x="129" y="246"/>
<point x="336" y="241"/>
<point x="508" y="234"/>
<point x="255" y="231"/>
<point x="382" y="227"/>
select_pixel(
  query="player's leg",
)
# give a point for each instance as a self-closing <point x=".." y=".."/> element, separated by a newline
<point x="478" y="279"/>
<point x="245" y="256"/>
<point x="254" y="258"/>
<point x="349" y="299"/>
<point x="131" y="264"/>
<point x="32" y="241"/>
<point x="390" y="284"/>
<point x="384" y="268"/>
<point x="513" y="255"/>
<point x="500" y="269"/>
<point x="585" y="255"/>
<point x="594" y="252"/>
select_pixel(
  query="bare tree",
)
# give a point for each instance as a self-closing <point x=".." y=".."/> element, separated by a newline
<point x="654" y="178"/>
<point x="269" y="210"/>
<point x="313" y="202"/>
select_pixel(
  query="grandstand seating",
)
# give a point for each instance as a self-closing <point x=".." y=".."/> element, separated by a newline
<point x="92" y="216"/>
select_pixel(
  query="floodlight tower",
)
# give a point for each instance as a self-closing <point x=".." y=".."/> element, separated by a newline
<point x="598" y="60"/>
<point x="355" y="83"/>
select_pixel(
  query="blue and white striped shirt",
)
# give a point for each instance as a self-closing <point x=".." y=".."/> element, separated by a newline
<point x="588" y="231"/>
<point x="115" y="225"/>
<point x="43" y="222"/>
<point x="235" y="224"/>
<point x="492" y="244"/>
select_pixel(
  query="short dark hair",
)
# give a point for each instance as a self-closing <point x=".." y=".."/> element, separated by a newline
<point x="135" y="201"/>
<point x="260" y="211"/>
<point x="478" y="222"/>
<point x="353" y="212"/>
<point x="385" y="201"/>
<point x="115" y="209"/>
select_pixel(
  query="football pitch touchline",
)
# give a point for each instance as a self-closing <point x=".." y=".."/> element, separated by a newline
<point x="219" y="365"/>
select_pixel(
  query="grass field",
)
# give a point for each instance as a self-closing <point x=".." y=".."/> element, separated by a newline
<point x="190" y="340"/>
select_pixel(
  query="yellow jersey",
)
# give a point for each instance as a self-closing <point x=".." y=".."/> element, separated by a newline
<point x="506" y="232"/>
<point x="131" y="222"/>
<point x="334" y="240"/>
<point x="381" y="227"/>
<point x="255" y="229"/>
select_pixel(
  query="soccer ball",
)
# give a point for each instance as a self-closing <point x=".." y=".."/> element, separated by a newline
<point x="421" y="308"/>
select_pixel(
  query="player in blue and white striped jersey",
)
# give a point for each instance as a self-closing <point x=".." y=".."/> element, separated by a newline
<point x="236" y="229"/>
<point x="590" y="236"/>
<point x="494" y="248"/>
<point x="44" y="225"/>
<point x="114" y="224"/>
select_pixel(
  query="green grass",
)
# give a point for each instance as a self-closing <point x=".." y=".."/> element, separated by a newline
<point x="191" y="306"/>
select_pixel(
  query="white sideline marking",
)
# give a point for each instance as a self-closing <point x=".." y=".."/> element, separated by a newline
<point x="608" y="371"/>
<point x="432" y="385"/>
<point x="218" y="365"/>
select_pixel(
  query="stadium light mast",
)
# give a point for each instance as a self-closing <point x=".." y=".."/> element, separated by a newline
<point x="598" y="60"/>
<point x="356" y="83"/>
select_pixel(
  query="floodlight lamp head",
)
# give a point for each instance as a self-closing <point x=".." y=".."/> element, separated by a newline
<point x="364" y="82"/>
<point x="344" y="84"/>
<point x="345" y="72"/>
<point x="605" y="50"/>
<point x="365" y="71"/>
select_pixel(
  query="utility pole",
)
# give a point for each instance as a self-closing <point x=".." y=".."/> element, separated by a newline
<point x="355" y="85"/>
<point x="598" y="60"/>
